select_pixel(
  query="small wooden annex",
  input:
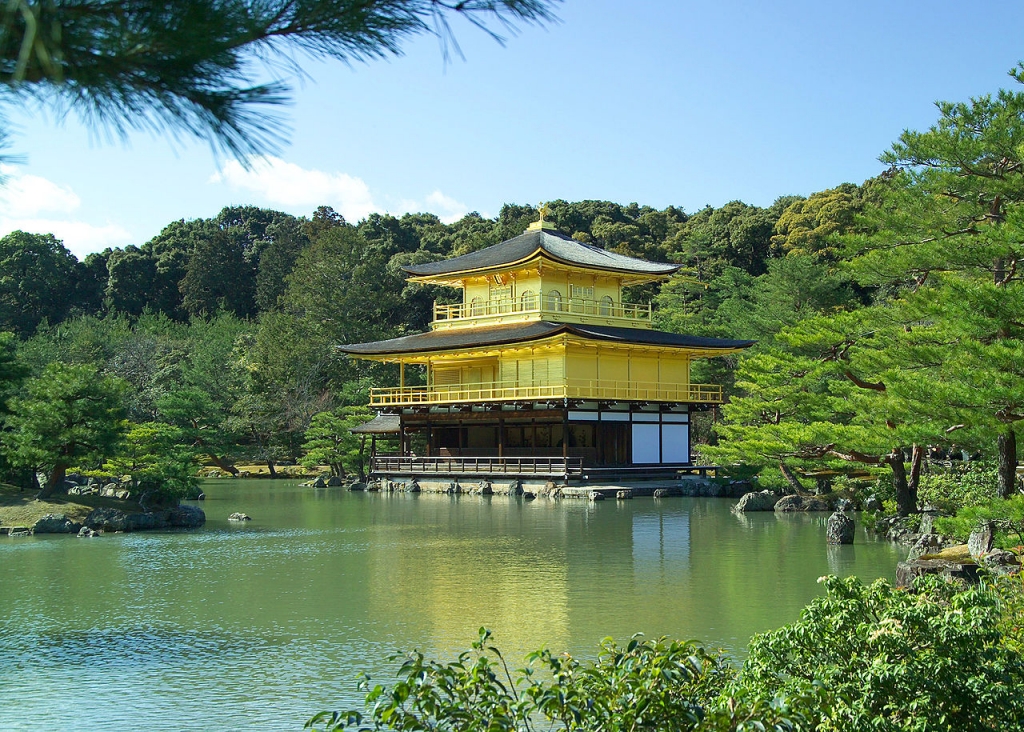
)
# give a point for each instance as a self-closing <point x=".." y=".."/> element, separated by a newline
<point x="542" y="369"/>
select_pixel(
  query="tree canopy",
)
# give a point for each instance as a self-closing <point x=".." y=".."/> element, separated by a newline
<point x="193" y="66"/>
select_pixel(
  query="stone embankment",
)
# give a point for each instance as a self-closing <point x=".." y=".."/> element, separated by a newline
<point x="691" y="486"/>
<point x="932" y="553"/>
<point x="106" y="519"/>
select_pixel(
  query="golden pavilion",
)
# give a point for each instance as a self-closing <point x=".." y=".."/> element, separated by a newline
<point x="542" y="370"/>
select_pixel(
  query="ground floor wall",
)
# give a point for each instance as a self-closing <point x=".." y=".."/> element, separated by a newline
<point x="599" y="434"/>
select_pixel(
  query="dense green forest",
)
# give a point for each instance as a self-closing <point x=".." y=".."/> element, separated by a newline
<point x="887" y="316"/>
<point x="227" y="326"/>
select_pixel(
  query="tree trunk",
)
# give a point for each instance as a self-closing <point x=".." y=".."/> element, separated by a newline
<point x="55" y="483"/>
<point x="906" y="502"/>
<point x="791" y="478"/>
<point x="223" y="464"/>
<point x="916" y="456"/>
<point x="270" y="467"/>
<point x="1007" y="470"/>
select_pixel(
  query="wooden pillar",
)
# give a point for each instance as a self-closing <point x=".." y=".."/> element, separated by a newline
<point x="565" y="433"/>
<point x="373" y="446"/>
<point x="401" y="374"/>
<point x="430" y="437"/>
<point x="501" y="437"/>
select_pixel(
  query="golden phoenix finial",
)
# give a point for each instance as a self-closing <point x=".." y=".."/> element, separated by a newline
<point x="543" y="210"/>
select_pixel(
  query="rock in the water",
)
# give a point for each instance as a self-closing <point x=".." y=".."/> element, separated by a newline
<point x="86" y="533"/>
<point x="759" y="501"/>
<point x="624" y="494"/>
<point x="787" y="504"/>
<point x="485" y="488"/>
<point x="239" y="517"/>
<point x="55" y="523"/>
<point x="319" y="482"/>
<point x="186" y="517"/>
<point x="907" y="571"/>
<point x="357" y="486"/>
<point x="873" y="504"/>
<point x="17" y="531"/>
<point x="334" y="481"/>
<point x="840" y="529"/>
<point x="596" y="496"/>
<point x="413" y="486"/>
<point x="981" y="540"/>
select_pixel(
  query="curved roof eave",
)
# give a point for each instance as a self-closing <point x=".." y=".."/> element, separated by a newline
<point x="463" y="338"/>
<point x="558" y="247"/>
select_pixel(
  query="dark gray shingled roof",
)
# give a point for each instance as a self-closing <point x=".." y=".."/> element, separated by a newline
<point x="443" y="340"/>
<point x="553" y="243"/>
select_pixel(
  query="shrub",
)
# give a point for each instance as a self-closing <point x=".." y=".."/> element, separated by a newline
<point x="873" y="657"/>
<point x="962" y="486"/>
<point x="863" y="657"/>
<point x="646" y="685"/>
<point x="1006" y="513"/>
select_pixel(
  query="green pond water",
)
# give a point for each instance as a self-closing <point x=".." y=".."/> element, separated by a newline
<point x="259" y="625"/>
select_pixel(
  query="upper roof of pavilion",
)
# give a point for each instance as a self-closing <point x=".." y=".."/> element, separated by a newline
<point x="540" y="240"/>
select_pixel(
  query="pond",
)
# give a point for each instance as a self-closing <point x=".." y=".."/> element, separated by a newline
<point x="261" y="624"/>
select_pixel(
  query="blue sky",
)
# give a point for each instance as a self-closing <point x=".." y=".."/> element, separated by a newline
<point x="659" y="102"/>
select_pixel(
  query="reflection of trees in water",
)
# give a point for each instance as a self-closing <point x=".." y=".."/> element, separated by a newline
<point x="566" y="573"/>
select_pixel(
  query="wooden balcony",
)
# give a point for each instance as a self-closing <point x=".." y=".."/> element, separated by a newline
<point x="542" y="308"/>
<point x="589" y="390"/>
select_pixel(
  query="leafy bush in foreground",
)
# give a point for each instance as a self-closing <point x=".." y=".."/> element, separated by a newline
<point x="646" y="685"/>
<point x="882" y="658"/>
<point x="863" y="657"/>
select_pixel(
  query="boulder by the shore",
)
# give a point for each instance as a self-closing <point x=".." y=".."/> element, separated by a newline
<point x="906" y="572"/>
<point x="56" y="523"/>
<point x="788" y="504"/>
<point x="757" y="501"/>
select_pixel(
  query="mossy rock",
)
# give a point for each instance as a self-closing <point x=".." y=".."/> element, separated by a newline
<point x="959" y="553"/>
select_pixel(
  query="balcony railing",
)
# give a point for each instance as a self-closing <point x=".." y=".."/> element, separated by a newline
<point x="544" y="306"/>
<point x="572" y="389"/>
<point x="564" y="467"/>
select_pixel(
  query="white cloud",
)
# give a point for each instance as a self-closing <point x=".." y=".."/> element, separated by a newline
<point x="39" y="206"/>
<point x="299" y="190"/>
<point x="31" y="195"/>
<point x="447" y="208"/>
<point x="79" y="237"/>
